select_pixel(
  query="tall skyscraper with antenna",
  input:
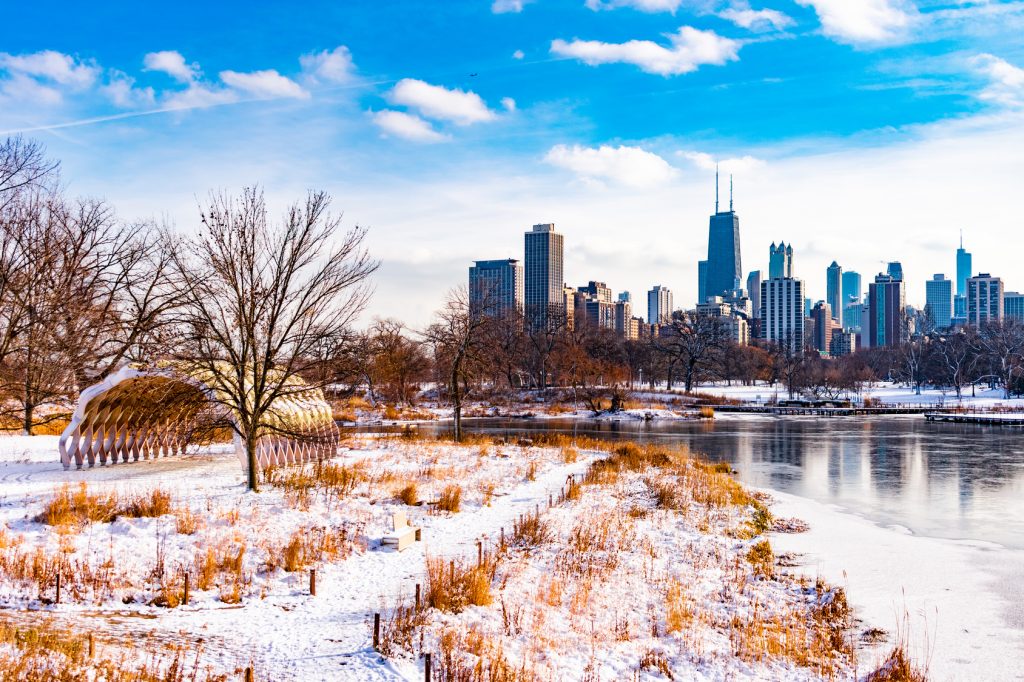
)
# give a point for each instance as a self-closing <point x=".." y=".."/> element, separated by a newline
<point x="724" y="267"/>
<point x="963" y="267"/>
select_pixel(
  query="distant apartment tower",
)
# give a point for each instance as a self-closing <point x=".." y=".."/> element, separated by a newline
<point x="884" y="324"/>
<point x="834" y="292"/>
<point x="1013" y="305"/>
<point x="496" y="287"/>
<point x="545" y="261"/>
<point x="569" y="305"/>
<point x="598" y="291"/>
<point x="782" y="312"/>
<point x="939" y="301"/>
<point x="735" y="324"/>
<point x="984" y="299"/>
<point x="724" y="268"/>
<point x="824" y="324"/>
<point x="659" y="305"/>
<point x="964" y="269"/>
<point x="780" y="260"/>
<point x="624" y="324"/>
<point x="754" y="292"/>
<point x="851" y="288"/>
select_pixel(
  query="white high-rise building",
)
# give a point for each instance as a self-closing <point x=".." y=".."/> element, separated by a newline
<point x="782" y="312"/>
<point x="659" y="305"/>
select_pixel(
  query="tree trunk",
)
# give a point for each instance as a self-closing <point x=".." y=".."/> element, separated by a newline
<point x="457" y="404"/>
<point x="250" y="458"/>
<point x="27" y="418"/>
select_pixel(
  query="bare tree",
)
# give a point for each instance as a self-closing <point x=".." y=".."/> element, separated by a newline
<point x="1002" y="343"/>
<point x="396" y="363"/>
<point x="23" y="165"/>
<point x="956" y="355"/>
<point x="258" y="299"/>
<point x="459" y="338"/>
<point x="692" y="341"/>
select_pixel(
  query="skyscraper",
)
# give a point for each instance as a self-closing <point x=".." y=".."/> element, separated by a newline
<point x="895" y="270"/>
<point x="702" y="281"/>
<point x="780" y="261"/>
<point x="851" y="287"/>
<point x="984" y="299"/>
<point x="544" y="274"/>
<point x="724" y="268"/>
<point x="884" y="324"/>
<point x="834" y="292"/>
<point x="824" y="323"/>
<point x="496" y="286"/>
<point x="659" y="305"/>
<point x="963" y="268"/>
<point x="754" y="292"/>
<point x="782" y="312"/>
<point x="939" y="301"/>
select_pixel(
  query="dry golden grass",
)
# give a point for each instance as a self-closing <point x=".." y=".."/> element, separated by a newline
<point x="679" y="608"/>
<point x="156" y="502"/>
<point x="307" y="546"/>
<point x="186" y="522"/>
<point x="897" y="667"/>
<point x="399" y="626"/>
<point x="44" y="653"/>
<point x="570" y="455"/>
<point x="762" y="558"/>
<point x="531" y="470"/>
<point x="453" y="585"/>
<point x="76" y="506"/>
<point x="530" y="530"/>
<point x="302" y="485"/>
<point x="656" y="662"/>
<point x="471" y="656"/>
<point x="409" y="494"/>
<point x="450" y="499"/>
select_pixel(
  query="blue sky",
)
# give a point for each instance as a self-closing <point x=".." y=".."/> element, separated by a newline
<point x="858" y="130"/>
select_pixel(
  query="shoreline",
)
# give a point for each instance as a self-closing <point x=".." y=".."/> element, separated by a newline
<point x="958" y="602"/>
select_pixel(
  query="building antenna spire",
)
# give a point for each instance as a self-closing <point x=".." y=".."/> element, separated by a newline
<point x="730" y="192"/>
<point x="716" y="188"/>
<point x="961" y="238"/>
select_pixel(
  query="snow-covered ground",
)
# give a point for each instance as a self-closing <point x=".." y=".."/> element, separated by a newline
<point x="600" y="627"/>
<point x="959" y="603"/>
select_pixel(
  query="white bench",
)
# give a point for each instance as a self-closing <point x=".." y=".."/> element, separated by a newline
<point x="402" y="534"/>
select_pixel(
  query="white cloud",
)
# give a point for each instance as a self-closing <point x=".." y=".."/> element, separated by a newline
<point x="53" y="66"/>
<point x="22" y="89"/>
<point x="198" y="96"/>
<point x="122" y="92"/>
<point x="1006" y="81"/>
<point x="434" y="101"/>
<point x="267" y="83"/>
<point x="862" y="21"/>
<point x="507" y="6"/>
<point x="737" y="164"/>
<point x="757" y="20"/>
<point x="518" y="54"/>
<point x="406" y="126"/>
<point x="508" y="103"/>
<point x="173" y="64"/>
<point x="334" y="66"/>
<point x="641" y="5"/>
<point x="690" y="49"/>
<point x="629" y="166"/>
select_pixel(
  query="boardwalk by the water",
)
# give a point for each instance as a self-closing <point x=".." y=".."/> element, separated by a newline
<point x="987" y="419"/>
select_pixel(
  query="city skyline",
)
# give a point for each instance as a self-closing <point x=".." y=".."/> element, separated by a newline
<point x="447" y="150"/>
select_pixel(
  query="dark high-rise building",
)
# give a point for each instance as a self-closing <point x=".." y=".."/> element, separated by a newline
<point x="724" y="267"/>
<point x="496" y="286"/>
<point x="824" y="323"/>
<point x="884" y="325"/>
<point x="780" y="260"/>
<point x="834" y="292"/>
<point x="964" y="267"/>
<point x="544" y="274"/>
<point x="754" y="292"/>
<point x="702" y="281"/>
<point x="851" y="287"/>
<point x="895" y="270"/>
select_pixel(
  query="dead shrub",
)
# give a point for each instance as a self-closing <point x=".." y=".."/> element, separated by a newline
<point x="76" y="506"/>
<point x="530" y="530"/>
<point x="409" y="495"/>
<point x="570" y="455"/>
<point x="897" y="667"/>
<point x="452" y="585"/>
<point x="531" y="470"/>
<point x="678" y="608"/>
<point x="156" y="503"/>
<point x="762" y="558"/>
<point x="450" y="499"/>
<point x="657" y="662"/>
<point x="186" y="522"/>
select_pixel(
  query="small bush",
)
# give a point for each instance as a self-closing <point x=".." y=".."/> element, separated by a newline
<point x="450" y="499"/>
<point x="530" y="530"/>
<point x="762" y="558"/>
<point x="897" y="668"/>
<point x="656" y="661"/>
<point x="156" y="503"/>
<point x="678" y="608"/>
<point x="409" y="495"/>
<point x="452" y="586"/>
<point x="186" y="522"/>
<point x="570" y="455"/>
<point x="77" y="506"/>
